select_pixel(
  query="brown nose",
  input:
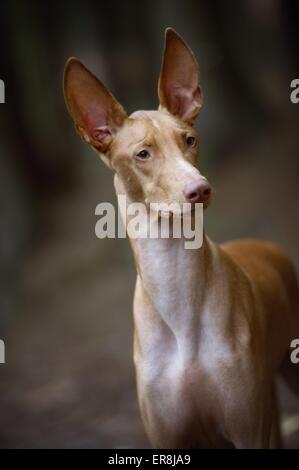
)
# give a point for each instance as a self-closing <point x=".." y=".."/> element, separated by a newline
<point x="197" y="191"/>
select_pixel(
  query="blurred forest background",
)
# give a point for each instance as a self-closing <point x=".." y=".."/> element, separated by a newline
<point x="65" y="296"/>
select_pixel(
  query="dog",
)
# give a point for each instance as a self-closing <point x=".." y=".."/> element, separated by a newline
<point x="212" y="326"/>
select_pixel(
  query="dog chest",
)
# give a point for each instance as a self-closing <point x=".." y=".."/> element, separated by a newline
<point x="176" y="406"/>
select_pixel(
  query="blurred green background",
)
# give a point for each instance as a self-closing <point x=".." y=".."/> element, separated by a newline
<point x="65" y="296"/>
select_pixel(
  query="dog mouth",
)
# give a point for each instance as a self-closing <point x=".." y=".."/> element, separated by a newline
<point x="176" y="209"/>
<point x="190" y="212"/>
<point x="206" y="204"/>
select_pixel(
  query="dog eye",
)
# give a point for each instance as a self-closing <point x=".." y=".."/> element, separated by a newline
<point x="190" y="141"/>
<point x="143" y="155"/>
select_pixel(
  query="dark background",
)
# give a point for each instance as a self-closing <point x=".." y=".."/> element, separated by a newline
<point x="65" y="296"/>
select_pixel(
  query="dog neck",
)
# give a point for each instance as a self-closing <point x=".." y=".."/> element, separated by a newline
<point x="178" y="284"/>
<point x="174" y="278"/>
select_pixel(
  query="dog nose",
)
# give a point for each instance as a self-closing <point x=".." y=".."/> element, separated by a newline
<point x="197" y="191"/>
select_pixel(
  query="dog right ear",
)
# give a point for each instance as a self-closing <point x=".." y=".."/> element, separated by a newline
<point x="178" y="88"/>
<point x="96" y="113"/>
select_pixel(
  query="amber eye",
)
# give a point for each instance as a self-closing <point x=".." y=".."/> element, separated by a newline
<point x="143" y="155"/>
<point x="190" y="141"/>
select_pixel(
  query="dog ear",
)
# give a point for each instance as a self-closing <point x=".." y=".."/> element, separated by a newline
<point x="178" y="87"/>
<point x="96" y="113"/>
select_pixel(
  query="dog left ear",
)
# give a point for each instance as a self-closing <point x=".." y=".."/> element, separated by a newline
<point x="96" y="113"/>
<point x="178" y="87"/>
